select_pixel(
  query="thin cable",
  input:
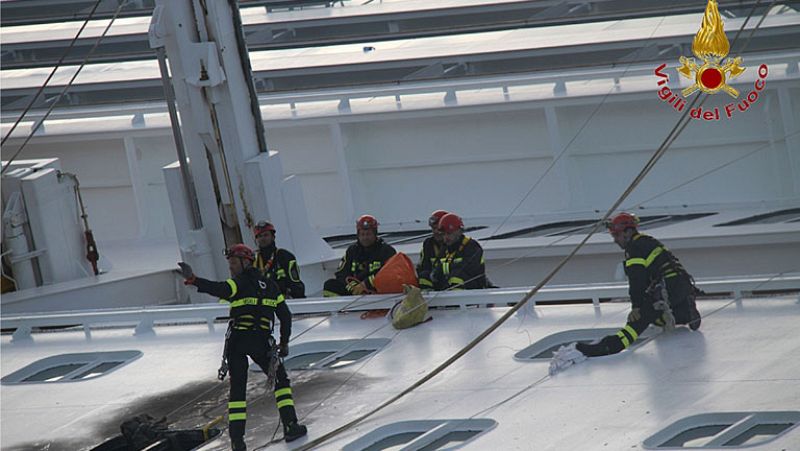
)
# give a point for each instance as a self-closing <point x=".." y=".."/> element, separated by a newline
<point x="709" y="172"/>
<point x="49" y="77"/>
<point x="53" y="104"/>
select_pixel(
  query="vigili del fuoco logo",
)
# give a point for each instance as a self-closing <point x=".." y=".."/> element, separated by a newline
<point x="711" y="73"/>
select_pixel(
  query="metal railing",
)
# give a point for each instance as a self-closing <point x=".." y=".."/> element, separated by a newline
<point x="143" y="319"/>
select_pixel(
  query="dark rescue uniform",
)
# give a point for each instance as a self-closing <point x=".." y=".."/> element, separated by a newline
<point x="432" y="251"/>
<point x="461" y="267"/>
<point x="280" y="265"/>
<point x="255" y="301"/>
<point x="648" y="265"/>
<point x="359" y="264"/>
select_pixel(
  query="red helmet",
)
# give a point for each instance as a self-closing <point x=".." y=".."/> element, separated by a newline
<point x="622" y="221"/>
<point x="450" y="222"/>
<point x="241" y="251"/>
<point x="433" y="221"/>
<point x="367" y="222"/>
<point x="263" y="227"/>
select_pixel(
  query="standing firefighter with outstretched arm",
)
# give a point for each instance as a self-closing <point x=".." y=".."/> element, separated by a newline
<point x="255" y="301"/>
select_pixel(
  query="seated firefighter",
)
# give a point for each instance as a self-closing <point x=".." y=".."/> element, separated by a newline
<point x="432" y="251"/>
<point x="254" y="302"/>
<point x="278" y="264"/>
<point x="661" y="291"/>
<point x="462" y="265"/>
<point x="361" y="261"/>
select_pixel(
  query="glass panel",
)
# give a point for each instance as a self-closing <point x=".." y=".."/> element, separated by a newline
<point x="393" y="442"/>
<point x="451" y="438"/>
<point x="98" y="370"/>
<point x="54" y="373"/>
<point x="789" y="215"/>
<point x="406" y="237"/>
<point x="303" y="361"/>
<point x="758" y="434"/>
<point x="695" y="437"/>
<point x="555" y="228"/>
<point x="671" y="219"/>
<point x="349" y="358"/>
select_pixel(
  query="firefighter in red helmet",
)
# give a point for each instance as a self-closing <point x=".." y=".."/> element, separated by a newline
<point x="662" y="292"/>
<point x="461" y="266"/>
<point x="254" y="300"/>
<point x="277" y="263"/>
<point x="432" y="250"/>
<point x="361" y="262"/>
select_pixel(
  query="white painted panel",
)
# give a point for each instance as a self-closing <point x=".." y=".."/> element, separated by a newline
<point x="112" y="214"/>
<point x="303" y="149"/>
<point x="747" y="180"/>
<point x="323" y="194"/>
<point x="102" y="168"/>
<point x="153" y="153"/>
<point x="472" y="190"/>
<point x="412" y="142"/>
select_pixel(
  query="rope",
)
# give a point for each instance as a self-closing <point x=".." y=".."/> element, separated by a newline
<point x="55" y="101"/>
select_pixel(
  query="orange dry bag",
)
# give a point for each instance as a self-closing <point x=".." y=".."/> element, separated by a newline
<point x="397" y="271"/>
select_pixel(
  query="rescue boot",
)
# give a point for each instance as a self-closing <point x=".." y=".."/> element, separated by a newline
<point x="237" y="444"/>
<point x="694" y="319"/>
<point x="293" y="431"/>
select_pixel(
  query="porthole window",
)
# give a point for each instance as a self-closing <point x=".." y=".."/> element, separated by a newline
<point x="71" y="367"/>
<point x="731" y="430"/>
<point x="329" y="354"/>
<point x="422" y="435"/>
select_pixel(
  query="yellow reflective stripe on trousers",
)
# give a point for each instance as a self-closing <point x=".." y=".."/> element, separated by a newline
<point x="456" y="281"/>
<point x="234" y="288"/>
<point x="237" y="417"/>
<point x="285" y="402"/>
<point x="283" y="391"/>
<point x="425" y="283"/>
<point x="237" y="404"/>
<point x="631" y="331"/>
<point x="624" y="339"/>
<point x="329" y="294"/>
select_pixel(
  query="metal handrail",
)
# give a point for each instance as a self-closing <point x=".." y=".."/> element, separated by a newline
<point x="145" y="317"/>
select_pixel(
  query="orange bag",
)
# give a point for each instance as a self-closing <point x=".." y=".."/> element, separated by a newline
<point x="397" y="271"/>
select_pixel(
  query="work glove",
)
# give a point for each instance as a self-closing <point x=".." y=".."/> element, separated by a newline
<point x="283" y="350"/>
<point x="634" y="315"/>
<point x="359" y="289"/>
<point x="351" y="283"/>
<point x="187" y="273"/>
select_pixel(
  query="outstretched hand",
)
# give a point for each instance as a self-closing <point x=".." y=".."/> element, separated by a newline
<point x="187" y="273"/>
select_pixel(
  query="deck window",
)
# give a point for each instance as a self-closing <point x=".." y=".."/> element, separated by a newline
<point x="422" y="435"/>
<point x="71" y="367"/>
<point x="726" y="430"/>
<point x="330" y="354"/>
